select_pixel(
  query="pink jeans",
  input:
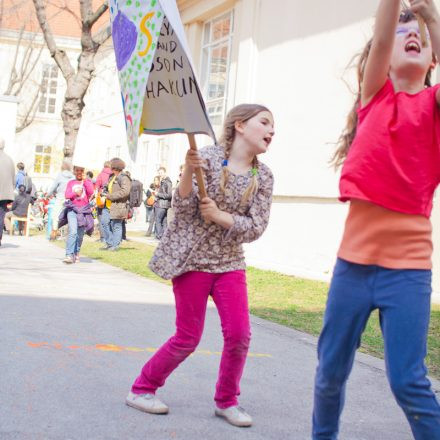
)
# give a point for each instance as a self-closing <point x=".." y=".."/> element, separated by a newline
<point x="191" y="291"/>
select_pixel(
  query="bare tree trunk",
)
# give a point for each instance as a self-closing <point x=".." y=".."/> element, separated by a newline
<point x="77" y="81"/>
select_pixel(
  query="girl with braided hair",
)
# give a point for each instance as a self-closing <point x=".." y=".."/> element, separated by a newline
<point x="201" y="252"/>
<point x="390" y="153"/>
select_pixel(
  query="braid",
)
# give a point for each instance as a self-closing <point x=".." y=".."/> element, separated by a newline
<point x="227" y="139"/>
<point x="225" y="173"/>
<point x="253" y="184"/>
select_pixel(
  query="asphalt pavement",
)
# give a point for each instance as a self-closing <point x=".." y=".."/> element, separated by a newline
<point x="73" y="339"/>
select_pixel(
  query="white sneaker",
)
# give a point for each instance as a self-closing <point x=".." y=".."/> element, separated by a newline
<point x="146" y="402"/>
<point x="235" y="415"/>
<point x="69" y="259"/>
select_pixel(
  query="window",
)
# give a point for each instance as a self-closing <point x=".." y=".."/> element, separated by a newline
<point x="113" y="152"/>
<point x="217" y="39"/>
<point x="142" y="157"/>
<point x="49" y="85"/>
<point x="43" y="157"/>
<point x="163" y="153"/>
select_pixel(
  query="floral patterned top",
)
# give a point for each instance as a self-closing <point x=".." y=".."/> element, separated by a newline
<point x="190" y="244"/>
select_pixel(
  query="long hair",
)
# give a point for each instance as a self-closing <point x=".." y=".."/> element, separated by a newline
<point x="239" y="113"/>
<point x="360" y="60"/>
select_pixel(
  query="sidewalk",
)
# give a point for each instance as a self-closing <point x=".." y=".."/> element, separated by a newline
<point x="75" y="337"/>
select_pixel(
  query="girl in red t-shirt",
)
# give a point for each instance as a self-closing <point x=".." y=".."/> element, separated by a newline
<point x="391" y="155"/>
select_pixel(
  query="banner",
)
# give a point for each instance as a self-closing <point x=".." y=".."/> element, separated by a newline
<point x="160" y="93"/>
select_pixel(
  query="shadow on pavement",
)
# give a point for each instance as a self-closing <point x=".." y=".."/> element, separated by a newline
<point x="8" y="245"/>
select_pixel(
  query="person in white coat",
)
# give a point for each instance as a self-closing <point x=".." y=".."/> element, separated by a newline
<point x="7" y="184"/>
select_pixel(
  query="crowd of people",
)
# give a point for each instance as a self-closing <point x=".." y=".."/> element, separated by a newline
<point x="111" y="198"/>
<point x="79" y="201"/>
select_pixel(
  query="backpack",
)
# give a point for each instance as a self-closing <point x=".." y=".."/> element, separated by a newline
<point x="100" y="200"/>
<point x="150" y="200"/>
<point x="136" y="193"/>
<point x="27" y="182"/>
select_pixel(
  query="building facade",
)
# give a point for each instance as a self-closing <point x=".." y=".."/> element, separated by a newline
<point x="290" y="55"/>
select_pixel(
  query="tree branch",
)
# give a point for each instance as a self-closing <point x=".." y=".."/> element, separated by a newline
<point x="30" y="69"/>
<point x="58" y="55"/>
<point x="29" y="117"/>
<point x="102" y="36"/>
<point x="97" y="14"/>
<point x="64" y="8"/>
<point x="13" y="76"/>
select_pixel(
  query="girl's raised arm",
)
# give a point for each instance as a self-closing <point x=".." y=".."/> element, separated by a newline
<point x="428" y="11"/>
<point x="378" y="62"/>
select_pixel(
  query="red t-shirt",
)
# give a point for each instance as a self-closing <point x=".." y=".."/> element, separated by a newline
<point x="394" y="160"/>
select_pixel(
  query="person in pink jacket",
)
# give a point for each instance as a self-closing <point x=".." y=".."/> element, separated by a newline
<point x="78" y="192"/>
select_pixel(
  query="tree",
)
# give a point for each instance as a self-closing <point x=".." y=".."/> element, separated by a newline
<point x="26" y="58"/>
<point x="77" y="80"/>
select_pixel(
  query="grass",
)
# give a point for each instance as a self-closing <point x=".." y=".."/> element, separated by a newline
<point x="294" y="302"/>
<point x="132" y="256"/>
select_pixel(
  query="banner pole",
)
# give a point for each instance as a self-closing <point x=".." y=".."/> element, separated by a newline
<point x="198" y="172"/>
<point x="422" y="29"/>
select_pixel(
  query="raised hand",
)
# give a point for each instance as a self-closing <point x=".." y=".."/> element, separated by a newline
<point x="426" y="9"/>
<point x="193" y="160"/>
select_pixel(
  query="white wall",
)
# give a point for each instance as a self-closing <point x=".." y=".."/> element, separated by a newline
<point x="8" y="114"/>
<point x="302" y="238"/>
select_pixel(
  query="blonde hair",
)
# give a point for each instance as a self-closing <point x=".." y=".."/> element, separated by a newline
<point x="239" y="113"/>
<point x="349" y="132"/>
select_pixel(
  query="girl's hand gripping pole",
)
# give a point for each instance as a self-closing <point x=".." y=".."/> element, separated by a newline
<point x="199" y="173"/>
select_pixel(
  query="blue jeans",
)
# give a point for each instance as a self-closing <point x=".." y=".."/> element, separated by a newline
<point x="161" y="221"/>
<point x="76" y="235"/>
<point x="105" y="225"/>
<point x="99" y="216"/>
<point x="152" y="226"/>
<point x="403" y="298"/>
<point x="3" y="211"/>
<point x="116" y="233"/>
<point x="149" y="213"/>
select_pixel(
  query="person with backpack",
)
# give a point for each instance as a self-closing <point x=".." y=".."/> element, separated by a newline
<point x="20" y="176"/>
<point x="136" y="193"/>
<point x="150" y="205"/>
<point x="23" y="178"/>
<point x="19" y="208"/>
<point x="117" y="204"/>
<point x="163" y="202"/>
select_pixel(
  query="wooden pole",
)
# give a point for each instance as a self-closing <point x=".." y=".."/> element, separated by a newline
<point x="422" y="29"/>
<point x="199" y="173"/>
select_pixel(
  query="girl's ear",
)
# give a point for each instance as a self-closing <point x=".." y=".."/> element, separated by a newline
<point x="239" y="126"/>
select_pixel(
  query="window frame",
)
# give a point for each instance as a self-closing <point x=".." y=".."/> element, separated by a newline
<point x="208" y="45"/>
<point x="41" y="163"/>
<point x="49" y="97"/>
